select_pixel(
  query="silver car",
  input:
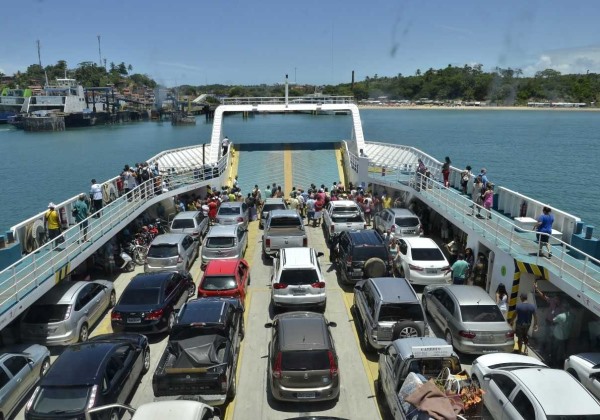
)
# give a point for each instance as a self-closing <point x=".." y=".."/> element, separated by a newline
<point x="224" y="242"/>
<point x="21" y="367"/>
<point x="171" y="252"/>
<point x="400" y="222"/>
<point x="233" y="213"/>
<point x="469" y="318"/>
<point x="191" y="222"/>
<point x="66" y="313"/>
<point x="270" y="204"/>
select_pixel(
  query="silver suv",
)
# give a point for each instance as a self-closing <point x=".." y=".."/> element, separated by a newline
<point x="66" y="313"/>
<point x="385" y="309"/>
<point x="303" y="363"/>
<point x="224" y="242"/>
<point x="191" y="222"/>
<point x="400" y="222"/>
<point x="233" y="213"/>
<point x="172" y="252"/>
<point x="270" y="204"/>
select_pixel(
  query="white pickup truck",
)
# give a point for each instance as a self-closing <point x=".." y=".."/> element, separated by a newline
<point x="283" y="229"/>
<point x="342" y="215"/>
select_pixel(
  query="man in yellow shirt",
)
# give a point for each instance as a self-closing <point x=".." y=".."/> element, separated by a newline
<point x="386" y="200"/>
<point x="52" y="222"/>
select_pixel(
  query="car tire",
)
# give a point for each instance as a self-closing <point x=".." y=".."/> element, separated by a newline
<point x="232" y="389"/>
<point x="44" y="368"/>
<point x="242" y="330"/>
<point x="112" y="300"/>
<point x="146" y="360"/>
<point x="448" y="337"/>
<point x="171" y="322"/>
<point x="191" y="290"/>
<point x="406" y="329"/>
<point x="114" y="415"/>
<point x="375" y="267"/>
<point x="84" y="333"/>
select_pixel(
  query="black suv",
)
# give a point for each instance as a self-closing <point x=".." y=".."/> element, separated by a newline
<point x="360" y="254"/>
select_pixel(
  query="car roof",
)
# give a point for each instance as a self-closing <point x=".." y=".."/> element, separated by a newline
<point x="231" y="204"/>
<point x="419" y="242"/>
<point x="201" y="310"/>
<point x="404" y="346"/>
<point x="79" y="364"/>
<point x="297" y="257"/>
<point x="343" y="203"/>
<point x="402" y="212"/>
<point x="160" y="410"/>
<point x="222" y="230"/>
<point x="63" y="292"/>
<point x="221" y="267"/>
<point x="169" y="239"/>
<point x="567" y="399"/>
<point x="302" y="331"/>
<point x="469" y="295"/>
<point x="365" y="237"/>
<point x="593" y="358"/>
<point x="186" y="215"/>
<point x="150" y="280"/>
<point x="284" y="213"/>
<point x="394" y="290"/>
<point x="275" y="200"/>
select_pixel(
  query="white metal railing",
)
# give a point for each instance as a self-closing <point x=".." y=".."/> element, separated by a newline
<point x="40" y="266"/>
<point x="325" y="99"/>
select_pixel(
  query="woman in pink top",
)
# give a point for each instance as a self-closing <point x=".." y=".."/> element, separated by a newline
<point x="488" y="199"/>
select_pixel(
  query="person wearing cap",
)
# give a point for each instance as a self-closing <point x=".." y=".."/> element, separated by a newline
<point x="52" y="222"/>
<point x="81" y="213"/>
<point x="96" y="196"/>
<point x="525" y="313"/>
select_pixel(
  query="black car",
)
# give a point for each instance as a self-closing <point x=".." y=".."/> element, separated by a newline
<point x="149" y="301"/>
<point x="201" y="356"/>
<point x="360" y="254"/>
<point x="103" y="370"/>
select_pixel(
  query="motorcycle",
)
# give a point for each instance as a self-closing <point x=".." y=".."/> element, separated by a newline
<point x="124" y="261"/>
<point x="138" y="252"/>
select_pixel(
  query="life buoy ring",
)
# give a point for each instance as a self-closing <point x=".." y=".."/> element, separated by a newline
<point x="35" y="236"/>
<point x="109" y="192"/>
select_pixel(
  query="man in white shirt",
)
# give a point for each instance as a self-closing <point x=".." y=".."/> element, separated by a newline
<point x="96" y="196"/>
<point x="225" y="145"/>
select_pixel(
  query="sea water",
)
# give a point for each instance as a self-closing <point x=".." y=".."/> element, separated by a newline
<point x="551" y="156"/>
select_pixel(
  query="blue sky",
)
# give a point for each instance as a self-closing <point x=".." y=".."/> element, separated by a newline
<point x="317" y="42"/>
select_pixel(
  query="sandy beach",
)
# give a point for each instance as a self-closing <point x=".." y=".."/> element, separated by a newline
<point x="477" y="108"/>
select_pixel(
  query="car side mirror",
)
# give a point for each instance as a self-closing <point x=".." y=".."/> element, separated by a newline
<point x="269" y="325"/>
<point x="332" y="324"/>
<point x="319" y="254"/>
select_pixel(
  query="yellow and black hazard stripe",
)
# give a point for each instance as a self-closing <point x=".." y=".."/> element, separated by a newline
<point x="62" y="273"/>
<point x="521" y="268"/>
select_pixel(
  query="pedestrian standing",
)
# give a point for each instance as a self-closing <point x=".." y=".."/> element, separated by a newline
<point x="81" y="213"/>
<point x="310" y="207"/>
<point x="465" y="177"/>
<point x="562" y="330"/>
<point x="96" y="197"/>
<point x="488" y="199"/>
<point x="544" y="227"/>
<point x="522" y="322"/>
<point x="446" y="171"/>
<point x="52" y="222"/>
<point x="459" y="270"/>
<point x="502" y="299"/>
<point x="225" y="145"/>
<point x="470" y="259"/>
<point x="476" y="195"/>
<point x="484" y="178"/>
<point x="551" y="312"/>
<point x="128" y="179"/>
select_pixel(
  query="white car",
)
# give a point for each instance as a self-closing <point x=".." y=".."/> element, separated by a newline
<point x="421" y="261"/>
<point x="585" y="367"/>
<point x="522" y="387"/>
<point x="296" y="280"/>
<point x="160" y="410"/>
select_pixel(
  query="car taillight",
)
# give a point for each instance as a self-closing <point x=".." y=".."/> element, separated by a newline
<point x="415" y="267"/>
<point x="467" y="334"/>
<point x="510" y="335"/>
<point x="223" y="382"/>
<point x="305" y="242"/>
<point x="68" y="312"/>
<point x="92" y="400"/>
<point x="277" y="366"/>
<point x="333" y="369"/>
<point x="446" y="268"/>
<point x="195" y="233"/>
<point x="332" y="228"/>
<point x="318" y="285"/>
<point x="116" y="316"/>
<point x="240" y="219"/>
<point x="154" y="315"/>
<point x="268" y="243"/>
<point x="280" y="286"/>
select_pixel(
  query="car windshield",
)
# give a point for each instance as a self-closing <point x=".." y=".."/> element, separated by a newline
<point x="407" y="221"/>
<point x="229" y="211"/>
<point x="219" y="283"/>
<point x="286" y="222"/>
<point x="220" y="242"/>
<point x="481" y="313"/>
<point x="148" y="296"/>
<point x="401" y="311"/>
<point x="163" y="251"/>
<point x="363" y="253"/>
<point x="42" y="314"/>
<point x="61" y="400"/>
<point x="347" y="217"/>
<point x="299" y="276"/>
<point x="268" y="207"/>
<point x="305" y="360"/>
<point x="426" y="254"/>
<point x="183" y="224"/>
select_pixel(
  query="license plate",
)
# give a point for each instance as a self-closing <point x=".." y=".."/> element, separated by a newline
<point x="134" y="320"/>
<point x="306" y="395"/>
<point x="431" y="270"/>
<point x="299" y="292"/>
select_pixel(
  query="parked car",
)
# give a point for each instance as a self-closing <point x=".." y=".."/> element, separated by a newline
<point x="387" y="308"/>
<point x="191" y="222"/>
<point x="21" y="367"/>
<point x="400" y="222"/>
<point x="104" y="370"/>
<point x="66" y="313"/>
<point x="270" y="204"/>
<point x="303" y="363"/>
<point x="585" y="367"/>
<point x="361" y="254"/>
<point x="225" y="278"/>
<point x="233" y="213"/>
<point x="421" y="261"/>
<point x="283" y="229"/>
<point x="171" y="251"/>
<point x="522" y="387"/>
<point x="342" y="215"/>
<point x="160" y="410"/>
<point x="149" y="302"/>
<point x="296" y="279"/>
<point x="202" y="354"/>
<point x="224" y="242"/>
<point x="469" y="318"/>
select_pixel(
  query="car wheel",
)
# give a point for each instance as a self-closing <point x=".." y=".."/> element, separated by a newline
<point x="368" y="347"/>
<point x="375" y="267"/>
<point x="405" y="330"/>
<point x="146" y="357"/>
<point x="191" y="290"/>
<point x="43" y="369"/>
<point x="84" y="333"/>
<point x="448" y="337"/>
<point x="232" y="389"/>
<point x="171" y="322"/>
<point x="112" y="301"/>
<point x="114" y="415"/>
<point x="242" y="330"/>
<point x="573" y="374"/>
<point x="249" y="279"/>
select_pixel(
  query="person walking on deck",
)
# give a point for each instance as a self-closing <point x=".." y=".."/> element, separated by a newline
<point x="446" y="171"/>
<point x="96" y="196"/>
<point x="81" y="213"/>
<point x="488" y="199"/>
<point x="544" y="227"/>
<point x="522" y="322"/>
<point x="459" y="270"/>
<point x="225" y="145"/>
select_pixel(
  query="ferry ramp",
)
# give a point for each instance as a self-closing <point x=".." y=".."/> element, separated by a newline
<point x="289" y="165"/>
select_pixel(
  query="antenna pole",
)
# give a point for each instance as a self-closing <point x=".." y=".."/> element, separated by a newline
<point x="39" y="54"/>
<point x="99" y="50"/>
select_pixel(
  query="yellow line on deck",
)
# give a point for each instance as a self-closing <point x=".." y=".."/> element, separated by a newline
<point x="287" y="170"/>
<point x="339" y="160"/>
<point x="233" y="167"/>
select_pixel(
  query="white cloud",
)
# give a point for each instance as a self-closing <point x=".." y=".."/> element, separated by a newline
<point x="567" y="61"/>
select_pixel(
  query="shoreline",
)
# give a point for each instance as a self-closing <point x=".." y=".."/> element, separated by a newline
<point x="476" y="108"/>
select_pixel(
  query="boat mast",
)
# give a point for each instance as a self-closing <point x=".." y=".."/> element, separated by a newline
<point x="99" y="51"/>
<point x="40" y="60"/>
<point x="286" y="90"/>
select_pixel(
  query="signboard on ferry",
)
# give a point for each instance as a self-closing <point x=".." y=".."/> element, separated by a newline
<point x="432" y="351"/>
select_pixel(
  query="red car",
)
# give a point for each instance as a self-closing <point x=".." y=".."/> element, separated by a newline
<point x="226" y="278"/>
